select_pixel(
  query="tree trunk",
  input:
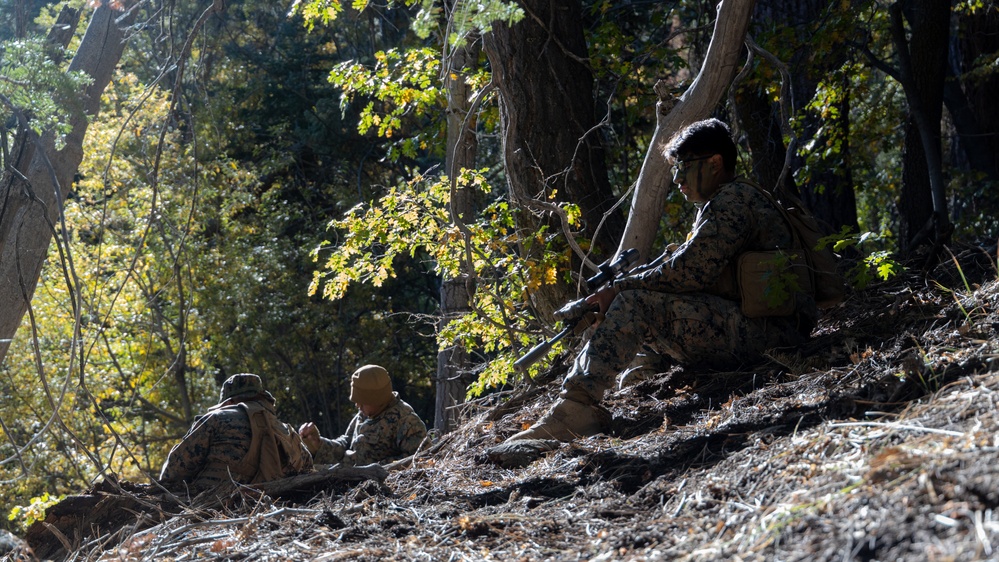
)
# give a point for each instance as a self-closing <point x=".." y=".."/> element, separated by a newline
<point x="829" y="194"/>
<point x="110" y="505"/>
<point x="760" y="119"/>
<point x="915" y="205"/>
<point x="456" y="293"/>
<point x="969" y="93"/>
<point x="711" y="83"/>
<point x="922" y="69"/>
<point x="33" y="195"/>
<point x="452" y="361"/>
<point x="971" y="126"/>
<point x="552" y="147"/>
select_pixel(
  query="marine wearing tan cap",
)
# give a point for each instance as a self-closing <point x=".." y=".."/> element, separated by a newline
<point x="370" y="385"/>
<point x="385" y="428"/>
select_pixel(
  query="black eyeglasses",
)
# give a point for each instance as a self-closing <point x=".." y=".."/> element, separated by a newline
<point x="680" y="168"/>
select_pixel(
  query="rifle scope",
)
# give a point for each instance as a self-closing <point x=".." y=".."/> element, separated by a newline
<point x="608" y="271"/>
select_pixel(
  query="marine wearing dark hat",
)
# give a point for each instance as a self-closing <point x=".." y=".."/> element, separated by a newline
<point x="238" y="440"/>
<point x="685" y="304"/>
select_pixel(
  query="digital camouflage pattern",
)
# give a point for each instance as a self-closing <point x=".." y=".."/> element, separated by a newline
<point x="394" y="434"/>
<point x="685" y="305"/>
<point x="213" y="450"/>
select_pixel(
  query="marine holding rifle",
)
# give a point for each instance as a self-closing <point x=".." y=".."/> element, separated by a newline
<point x="685" y="304"/>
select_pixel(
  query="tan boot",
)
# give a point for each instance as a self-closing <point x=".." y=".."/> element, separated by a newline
<point x="566" y="421"/>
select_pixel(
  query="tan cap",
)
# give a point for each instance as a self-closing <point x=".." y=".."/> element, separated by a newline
<point x="370" y="385"/>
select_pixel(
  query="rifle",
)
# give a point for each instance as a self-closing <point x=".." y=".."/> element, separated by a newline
<point x="578" y="315"/>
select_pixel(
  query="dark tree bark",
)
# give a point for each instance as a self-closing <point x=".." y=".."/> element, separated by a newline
<point x="922" y="58"/>
<point x="829" y="193"/>
<point x="551" y="137"/>
<point x="760" y="119"/>
<point x="970" y="89"/>
<point x="972" y="140"/>
<point x="915" y="202"/>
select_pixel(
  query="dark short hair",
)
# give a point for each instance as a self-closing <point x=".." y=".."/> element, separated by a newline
<point x="709" y="136"/>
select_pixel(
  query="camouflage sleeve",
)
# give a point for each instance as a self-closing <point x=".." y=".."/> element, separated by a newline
<point x="412" y="432"/>
<point x="188" y="458"/>
<point x="331" y="451"/>
<point x="719" y="232"/>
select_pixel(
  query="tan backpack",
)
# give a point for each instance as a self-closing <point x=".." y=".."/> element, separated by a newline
<point x="815" y="271"/>
<point x="276" y="449"/>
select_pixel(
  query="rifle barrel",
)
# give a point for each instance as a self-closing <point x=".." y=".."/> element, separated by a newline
<point x="576" y="309"/>
<point x="539" y="351"/>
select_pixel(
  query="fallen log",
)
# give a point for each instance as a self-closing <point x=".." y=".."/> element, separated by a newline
<point x="113" y="510"/>
<point x="104" y="510"/>
<point x="321" y="479"/>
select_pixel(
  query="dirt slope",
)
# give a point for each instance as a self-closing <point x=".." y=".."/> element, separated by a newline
<point x="879" y="440"/>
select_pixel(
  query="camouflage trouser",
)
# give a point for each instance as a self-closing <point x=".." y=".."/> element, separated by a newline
<point x="692" y="328"/>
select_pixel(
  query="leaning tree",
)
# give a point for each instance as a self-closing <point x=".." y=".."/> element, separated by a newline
<point x="38" y="174"/>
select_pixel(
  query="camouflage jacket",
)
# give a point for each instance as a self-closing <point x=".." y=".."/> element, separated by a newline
<point x="391" y="435"/>
<point x="737" y="219"/>
<point x="215" y="449"/>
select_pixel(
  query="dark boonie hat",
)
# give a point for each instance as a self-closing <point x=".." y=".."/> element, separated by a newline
<point x="243" y="385"/>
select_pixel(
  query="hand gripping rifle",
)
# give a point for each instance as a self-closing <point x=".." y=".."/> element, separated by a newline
<point x="578" y="315"/>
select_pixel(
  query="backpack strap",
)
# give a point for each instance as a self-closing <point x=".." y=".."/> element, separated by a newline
<point x="768" y="279"/>
<point x="795" y="235"/>
<point x="827" y="285"/>
<point x="262" y="461"/>
<point x="275" y="448"/>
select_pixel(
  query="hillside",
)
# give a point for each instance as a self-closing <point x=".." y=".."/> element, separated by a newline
<point x="876" y="441"/>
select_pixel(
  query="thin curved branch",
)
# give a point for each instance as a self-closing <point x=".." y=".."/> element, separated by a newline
<point x="786" y="96"/>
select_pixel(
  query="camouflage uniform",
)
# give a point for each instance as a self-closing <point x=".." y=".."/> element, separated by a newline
<point x="216" y="450"/>
<point x="685" y="303"/>
<point x="393" y="434"/>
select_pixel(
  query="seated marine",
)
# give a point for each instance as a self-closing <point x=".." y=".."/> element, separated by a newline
<point x="238" y="440"/>
<point x="686" y="303"/>
<point x="385" y="428"/>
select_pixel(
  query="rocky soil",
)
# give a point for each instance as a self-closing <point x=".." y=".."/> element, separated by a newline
<point x="878" y="440"/>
